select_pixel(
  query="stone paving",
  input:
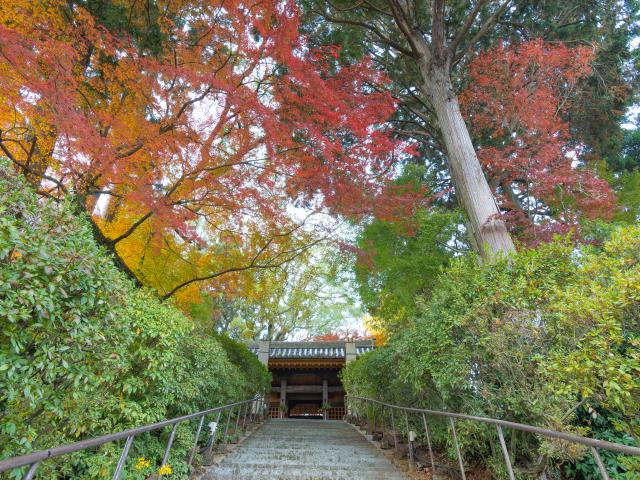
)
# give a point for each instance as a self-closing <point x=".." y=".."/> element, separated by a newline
<point x="305" y="450"/>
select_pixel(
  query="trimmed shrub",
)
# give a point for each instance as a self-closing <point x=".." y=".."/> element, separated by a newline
<point x="550" y="337"/>
<point x="84" y="353"/>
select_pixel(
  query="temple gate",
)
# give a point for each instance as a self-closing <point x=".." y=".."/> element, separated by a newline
<point x="305" y="376"/>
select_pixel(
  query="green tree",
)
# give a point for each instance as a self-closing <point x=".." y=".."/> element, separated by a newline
<point x="305" y="296"/>
<point x="550" y="337"/>
<point x="394" y="266"/>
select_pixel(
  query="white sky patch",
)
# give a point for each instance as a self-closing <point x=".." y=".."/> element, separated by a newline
<point x="631" y="117"/>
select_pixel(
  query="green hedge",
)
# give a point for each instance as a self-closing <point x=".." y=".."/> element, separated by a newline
<point x="84" y="353"/>
<point x="550" y="337"/>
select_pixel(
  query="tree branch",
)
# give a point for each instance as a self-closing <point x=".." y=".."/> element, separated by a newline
<point x="470" y="20"/>
<point x="437" y="31"/>
<point x="251" y="265"/>
<point x="130" y="230"/>
<point x="371" y="28"/>
<point x="26" y="168"/>
<point x="423" y="51"/>
<point x="482" y="31"/>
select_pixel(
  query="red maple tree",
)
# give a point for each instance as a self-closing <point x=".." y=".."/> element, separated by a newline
<point x="516" y="104"/>
<point x="342" y="335"/>
<point x="210" y="137"/>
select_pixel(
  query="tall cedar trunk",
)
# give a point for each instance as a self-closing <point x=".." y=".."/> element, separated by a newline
<point x="475" y="196"/>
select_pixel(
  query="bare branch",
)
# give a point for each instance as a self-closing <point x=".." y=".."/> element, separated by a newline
<point x="130" y="230"/>
<point x="26" y="168"/>
<point x="253" y="264"/>
<point x="129" y="151"/>
<point x="183" y="108"/>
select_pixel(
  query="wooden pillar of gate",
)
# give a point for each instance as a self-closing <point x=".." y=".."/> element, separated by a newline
<point x="283" y="397"/>
<point x="325" y="397"/>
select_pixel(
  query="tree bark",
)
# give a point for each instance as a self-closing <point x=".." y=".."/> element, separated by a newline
<point x="475" y="196"/>
<point x="80" y="203"/>
<point x="434" y="57"/>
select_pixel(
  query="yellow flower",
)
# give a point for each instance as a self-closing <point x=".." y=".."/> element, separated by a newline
<point x="142" y="463"/>
<point x="165" y="470"/>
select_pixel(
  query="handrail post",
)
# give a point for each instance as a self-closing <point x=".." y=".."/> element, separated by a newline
<point x="253" y="418"/>
<point x="226" y="427"/>
<point x="121" y="461"/>
<point x="235" y="433"/>
<point x="195" y="442"/>
<point x="426" y="431"/>
<point x="265" y="408"/>
<point x="215" y="434"/>
<point x="382" y="420"/>
<point x="354" y="406"/>
<point x="373" y="426"/>
<point x="409" y="442"/>
<point x="247" y="411"/>
<point x="393" y="429"/>
<point x="31" y="472"/>
<point x="238" y="421"/>
<point x="603" y="470"/>
<point x="165" y="459"/>
<point x="455" y="440"/>
<point x="406" y="422"/>
<point x="505" y="452"/>
<point x="369" y="431"/>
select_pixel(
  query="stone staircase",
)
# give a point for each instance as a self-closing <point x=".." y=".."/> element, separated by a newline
<point x="304" y="450"/>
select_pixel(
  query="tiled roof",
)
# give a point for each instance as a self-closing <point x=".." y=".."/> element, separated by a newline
<point x="313" y="349"/>
<point x="361" y="350"/>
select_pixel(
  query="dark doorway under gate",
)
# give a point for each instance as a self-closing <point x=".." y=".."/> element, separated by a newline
<point x="308" y="393"/>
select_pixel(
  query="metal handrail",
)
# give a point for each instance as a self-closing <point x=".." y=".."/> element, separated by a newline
<point x="34" y="459"/>
<point x="355" y="405"/>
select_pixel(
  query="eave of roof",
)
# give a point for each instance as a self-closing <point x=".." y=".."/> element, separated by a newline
<point x="330" y="349"/>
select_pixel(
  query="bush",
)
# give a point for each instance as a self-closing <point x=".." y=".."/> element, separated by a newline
<point x="84" y="353"/>
<point x="534" y="339"/>
<point x="252" y="369"/>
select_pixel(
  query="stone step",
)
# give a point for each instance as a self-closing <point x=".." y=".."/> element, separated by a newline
<point x="304" y="450"/>
<point x="304" y="473"/>
<point x="237" y="467"/>
<point x="329" y="453"/>
<point x="285" y="460"/>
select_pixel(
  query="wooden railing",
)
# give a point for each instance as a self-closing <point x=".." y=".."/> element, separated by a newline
<point x="274" y="412"/>
<point x="334" y="413"/>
